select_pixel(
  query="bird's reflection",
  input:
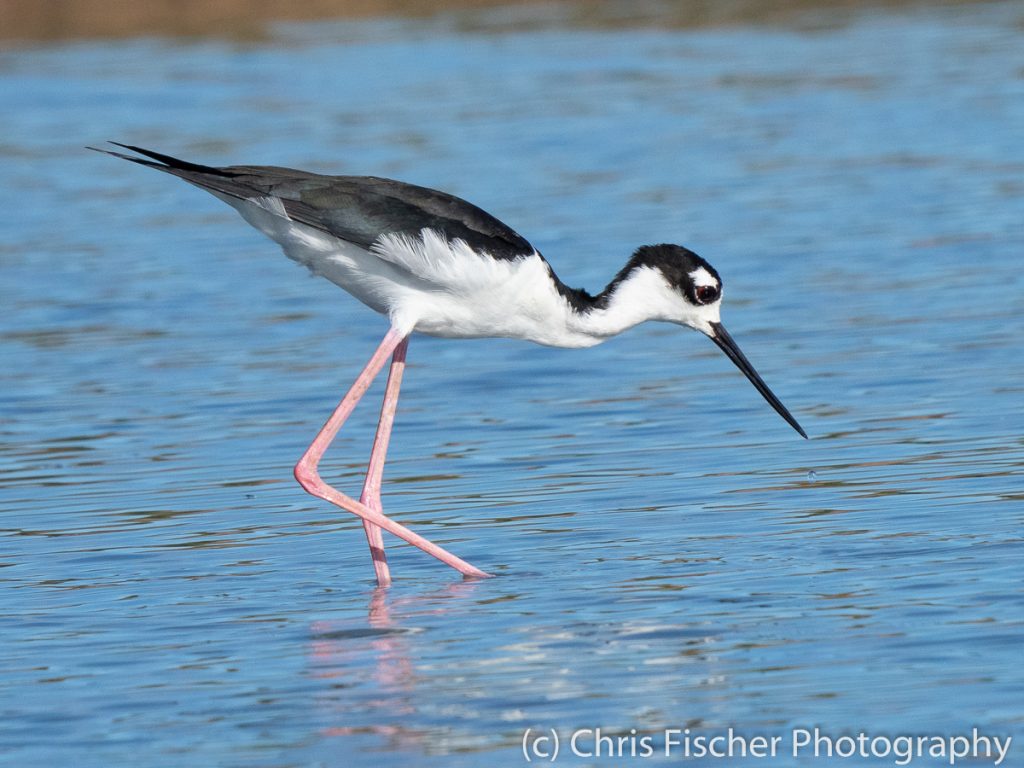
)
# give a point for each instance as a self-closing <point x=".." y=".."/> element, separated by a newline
<point x="340" y="652"/>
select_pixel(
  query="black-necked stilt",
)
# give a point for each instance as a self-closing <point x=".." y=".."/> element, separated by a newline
<point x="438" y="265"/>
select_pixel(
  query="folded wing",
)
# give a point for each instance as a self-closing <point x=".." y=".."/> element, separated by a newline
<point x="357" y="209"/>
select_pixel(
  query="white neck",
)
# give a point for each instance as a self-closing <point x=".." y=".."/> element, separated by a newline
<point x="644" y="295"/>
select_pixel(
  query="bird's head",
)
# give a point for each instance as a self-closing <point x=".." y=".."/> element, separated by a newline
<point x="678" y="286"/>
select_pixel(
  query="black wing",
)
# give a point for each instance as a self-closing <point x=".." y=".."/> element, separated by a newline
<point x="358" y="209"/>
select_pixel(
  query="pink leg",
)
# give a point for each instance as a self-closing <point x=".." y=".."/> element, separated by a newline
<point x="308" y="475"/>
<point x="375" y="472"/>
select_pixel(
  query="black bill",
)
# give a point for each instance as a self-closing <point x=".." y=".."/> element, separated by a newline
<point x="725" y="342"/>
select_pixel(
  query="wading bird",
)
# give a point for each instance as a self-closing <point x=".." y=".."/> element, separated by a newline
<point x="438" y="265"/>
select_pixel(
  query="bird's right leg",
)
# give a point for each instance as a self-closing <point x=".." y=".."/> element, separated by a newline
<point x="308" y="475"/>
<point x="375" y="470"/>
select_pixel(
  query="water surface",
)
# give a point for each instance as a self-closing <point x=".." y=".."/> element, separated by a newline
<point x="669" y="554"/>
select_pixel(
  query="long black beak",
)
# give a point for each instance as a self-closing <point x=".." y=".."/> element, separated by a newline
<point x="725" y="342"/>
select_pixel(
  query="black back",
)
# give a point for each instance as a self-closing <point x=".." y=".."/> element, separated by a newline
<point x="358" y="209"/>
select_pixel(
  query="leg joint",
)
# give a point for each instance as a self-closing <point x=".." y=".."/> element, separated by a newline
<point x="308" y="477"/>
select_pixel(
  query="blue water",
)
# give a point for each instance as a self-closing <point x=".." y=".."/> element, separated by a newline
<point x="669" y="553"/>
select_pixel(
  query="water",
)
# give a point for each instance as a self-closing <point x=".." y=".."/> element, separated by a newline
<point x="669" y="553"/>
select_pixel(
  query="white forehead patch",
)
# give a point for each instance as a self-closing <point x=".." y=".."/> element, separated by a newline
<point x="702" y="277"/>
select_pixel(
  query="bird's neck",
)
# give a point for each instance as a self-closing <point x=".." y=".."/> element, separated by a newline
<point x="628" y="300"/>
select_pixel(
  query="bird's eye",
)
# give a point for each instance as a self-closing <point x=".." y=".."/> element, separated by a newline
<point x="706" y="293"/>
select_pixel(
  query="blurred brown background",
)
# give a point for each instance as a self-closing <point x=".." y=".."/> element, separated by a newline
<point x="23" y="20"/>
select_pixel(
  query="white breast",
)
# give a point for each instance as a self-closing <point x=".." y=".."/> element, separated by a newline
<point x="474" y="295"/>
